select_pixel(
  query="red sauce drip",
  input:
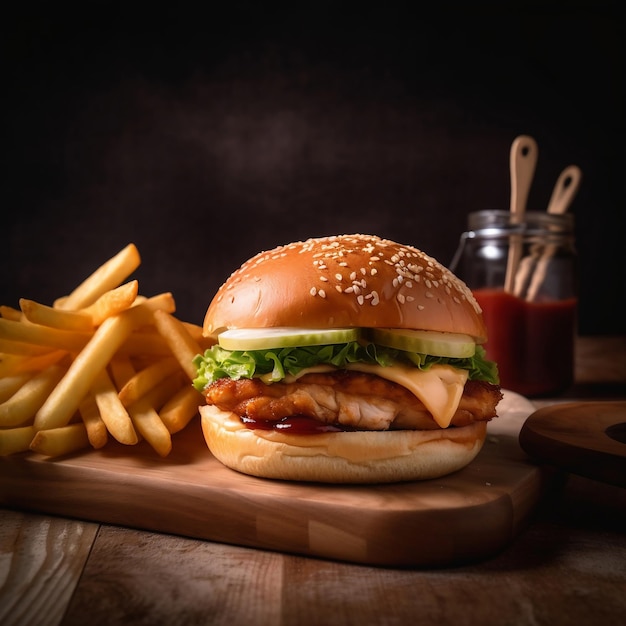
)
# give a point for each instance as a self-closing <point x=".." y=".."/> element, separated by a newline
<point x="532" y="342"/>
<point x="296" y="424"/>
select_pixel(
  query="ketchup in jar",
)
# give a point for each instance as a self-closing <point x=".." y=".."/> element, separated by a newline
<point x="530" y="314"/>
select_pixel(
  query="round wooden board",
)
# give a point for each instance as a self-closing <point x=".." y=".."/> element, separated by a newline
<point x="585" y="438"/>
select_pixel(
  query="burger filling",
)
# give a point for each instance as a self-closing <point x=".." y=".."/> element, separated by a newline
<point x="349" y="386"/>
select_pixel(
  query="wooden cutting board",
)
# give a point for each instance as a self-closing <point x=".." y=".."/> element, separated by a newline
<point x="586" y="438"/>
<point x="463" y="517"/>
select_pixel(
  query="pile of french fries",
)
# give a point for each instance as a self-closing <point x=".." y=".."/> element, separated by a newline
<point x="102" y="362"/>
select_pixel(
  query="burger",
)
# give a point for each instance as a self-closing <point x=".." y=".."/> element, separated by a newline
<point x="345" y="359"/>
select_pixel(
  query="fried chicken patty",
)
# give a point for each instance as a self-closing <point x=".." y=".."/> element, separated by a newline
<point x="354" y="399"/>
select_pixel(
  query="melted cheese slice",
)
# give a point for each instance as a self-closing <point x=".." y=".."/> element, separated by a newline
<point x="439" y="388"/>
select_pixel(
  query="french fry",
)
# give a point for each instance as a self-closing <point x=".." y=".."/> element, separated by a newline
<point x="122" y="370"/>
<point x="9" y="313"/>
<point x="43" y="315"/>
<point x="159" y="395"/>
<point x="145" y="343"/>
<point x="112" y="302"/>
<point x="160" y="302"/>
<point x="181" y="408"/>
<point x="56" y="364"/>
<point x="63" y="402"/>
<point x="112" y="411"/>
<point x="143" y="412"/>
<point x="149" y="424"/>
<point x="96" y="428"/>
<point x="8" y="346"/>
<point x="183" y="346"/>
<point x="146" y="379"/>
<point x="11" y="365"/>
<point x="108" y="304"/>
<point x="23" y="405"/>
<point x="106" y="277"/>
<point x="60" y="441"/>
<point x="14" y="440"/>
<point x="10" y="384"/>
<point x="43" y="335"/>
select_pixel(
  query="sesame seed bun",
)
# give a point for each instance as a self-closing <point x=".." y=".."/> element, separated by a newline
<point x="345" y="281"/>
<point x="348" y="457"/>
<point x="358" y="281"/>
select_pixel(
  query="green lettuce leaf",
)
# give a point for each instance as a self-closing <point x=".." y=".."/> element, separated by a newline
<point x="274" y="365"/>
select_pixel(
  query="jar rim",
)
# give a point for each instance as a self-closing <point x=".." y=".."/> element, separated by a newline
<point x="493" y="222"/>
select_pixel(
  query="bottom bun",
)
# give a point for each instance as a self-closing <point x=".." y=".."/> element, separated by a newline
<point x="340" y="457"/>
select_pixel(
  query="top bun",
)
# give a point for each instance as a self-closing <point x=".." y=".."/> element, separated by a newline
<point x="345" y="281"/>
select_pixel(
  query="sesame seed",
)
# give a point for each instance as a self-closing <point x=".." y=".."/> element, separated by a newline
<point x="339" y="288"/>
<point x="420" y="307"/>
<point x="324" y="279"/>
<point x="401" y="298"/>
<point x="339" y="277"/>
<point x="360" y="299"/>
<point x="321" y="293"/>
<point x="313" y="291"/>
<point x="429" y="294"/>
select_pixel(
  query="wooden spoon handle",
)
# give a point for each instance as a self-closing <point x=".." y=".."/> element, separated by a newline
<point x="523" y="160"/>
<point x="565" y="189"/>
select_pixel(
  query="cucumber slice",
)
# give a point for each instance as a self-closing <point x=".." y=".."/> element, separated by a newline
<point x="452" y="345"/>
<point x="283" y="337"/>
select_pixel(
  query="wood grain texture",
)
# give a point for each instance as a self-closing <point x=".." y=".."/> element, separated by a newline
<point x="140" y="578"/>
<point x="41" y="560"/>
<point x="554" y="573"/>
<point x="465" y="516"/>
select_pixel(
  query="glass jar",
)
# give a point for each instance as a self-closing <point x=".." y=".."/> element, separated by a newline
<point x="525" y="279"/>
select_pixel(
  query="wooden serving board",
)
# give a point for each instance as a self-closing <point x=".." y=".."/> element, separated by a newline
<point x="586" y="438"/>
<point x="466" y="516"/>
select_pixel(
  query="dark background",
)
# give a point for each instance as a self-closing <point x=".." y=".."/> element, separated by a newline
<point x="207" y="136"/>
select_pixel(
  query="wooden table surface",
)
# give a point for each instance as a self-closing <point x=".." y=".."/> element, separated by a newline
<point x="567" y="567"/>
